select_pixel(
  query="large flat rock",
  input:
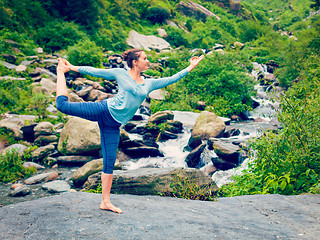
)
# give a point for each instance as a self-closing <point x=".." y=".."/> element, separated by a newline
<point x="77" y="216"/>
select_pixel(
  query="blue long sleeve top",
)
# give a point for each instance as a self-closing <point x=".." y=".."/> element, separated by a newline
<point x="130" y="95"/>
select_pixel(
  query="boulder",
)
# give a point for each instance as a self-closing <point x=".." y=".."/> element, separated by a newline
<point x="56" y="186"/>
<point x="83" y="93"/>
<point x="97" y="95"/>
<point x="73" y="160"/>
<point x="193" y="157"/>
<point x="32" y="164"/>
<point x="192" y="9"/>
<point x="227" y="151"/>
<point x="161" y="117"/>
<point x="13" y="124"/>
<point x="166" y="135"/>
<point x="208" y="125"/>
<point x="20" y="191"/>
<point x="48" y="84"/>
<point x="143" y="151"/>
<point x="151" y="181"/>
<point x="162" y="33"/>
<point x="19" y="148"/>
<point x="15" y="185"/>
<point x="81" y="175"/>
<point x="148" y="43"/>
<point x="79" y="136"/>
<point x="238" y="45"/>
<point x="42" y="152"/>
<point x="8" y="65"/>
<point x="49" y="176"/>
<point x="45" y="139"/>
<point x="21" y="68"/>
<point x="43" y="128"/>
<point x="74" y="98"/>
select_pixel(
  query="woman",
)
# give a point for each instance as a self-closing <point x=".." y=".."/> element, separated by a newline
<point x="112" y="112"/>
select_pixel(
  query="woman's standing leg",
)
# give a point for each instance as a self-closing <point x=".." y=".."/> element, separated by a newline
<point x="110" y="136"/>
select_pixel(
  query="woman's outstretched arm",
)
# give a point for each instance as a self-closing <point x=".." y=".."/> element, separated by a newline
<point x="61" y="88"/>
<point x="163" y="82"/>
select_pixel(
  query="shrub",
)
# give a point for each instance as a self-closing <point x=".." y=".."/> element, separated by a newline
<point x="86" y="53"/>
<point x="157" y="15"/>
<point x="11" y="167"/>
<point x="59" y="35"/>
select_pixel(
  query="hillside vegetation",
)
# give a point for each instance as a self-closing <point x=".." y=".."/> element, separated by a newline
<point x="278" y="31"/>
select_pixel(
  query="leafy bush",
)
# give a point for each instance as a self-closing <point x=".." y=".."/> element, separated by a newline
<point x="157" y="14"/>
<point x="25" y="43"/>
<point x="59" y="35"/>
<point x="11" y="168"/>
<point x="176" y="36"/>
<point x="85" y="53"/>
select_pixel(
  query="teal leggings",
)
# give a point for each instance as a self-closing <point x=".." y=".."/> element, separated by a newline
<point x="109" y="128"/>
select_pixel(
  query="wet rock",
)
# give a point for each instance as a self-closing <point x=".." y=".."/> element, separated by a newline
<point x="82" y="174"/>
<point x="208" y="125"/>
<point x="143" y="151"/>
<point x="231" y="132"/>
<point x="20" y="191"/>
<point x="56" y="186"/>
<point x="193" y="157"/>
<point x="209" y="169"/>
<point x="42" y="177"/>
<point x="194" y="142"/>
<point x="161" y="117"/>
<point x="227" y="151"/>
<point x="166" y="135"/>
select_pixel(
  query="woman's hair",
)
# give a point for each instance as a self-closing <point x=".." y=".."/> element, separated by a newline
<point x="131" y="55"/>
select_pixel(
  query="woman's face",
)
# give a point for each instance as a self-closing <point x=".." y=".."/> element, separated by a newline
<point x="142" y="62"/>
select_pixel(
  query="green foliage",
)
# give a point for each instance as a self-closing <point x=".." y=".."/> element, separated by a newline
<point x="40" y="104"/>
<point x="184" y="187"/>
<point x="11" y="168"/>
<point x="176" y="36"/>
<point x="218" y="81"/>
<point x="287" y="162"/>
<point x="315" y="4"/>
<point x="85" y="53"/>
<point x="58" y="35"/>
<point x="7" y="136"/>
<point x="15" y="95"/>
<point x="157" y="14"/>
<point x="25" y="43"/>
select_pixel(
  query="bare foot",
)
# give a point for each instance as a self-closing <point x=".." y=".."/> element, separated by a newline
<point x="109" y="207"/>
